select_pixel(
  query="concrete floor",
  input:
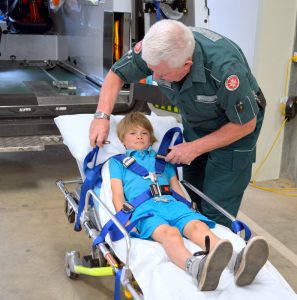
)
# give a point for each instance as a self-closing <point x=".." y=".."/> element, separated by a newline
<point x="35" y="233"/>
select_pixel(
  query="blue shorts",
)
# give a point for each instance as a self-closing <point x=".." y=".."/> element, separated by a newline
<point x="173" y="213"/>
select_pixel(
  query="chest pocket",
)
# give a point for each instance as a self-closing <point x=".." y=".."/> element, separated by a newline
<point x="207" y="106"/>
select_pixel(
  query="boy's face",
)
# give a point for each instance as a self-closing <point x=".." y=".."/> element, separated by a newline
<point x="137" y="138"/>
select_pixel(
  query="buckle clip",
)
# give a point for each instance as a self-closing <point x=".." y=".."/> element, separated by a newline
<point x="152" y="176"/>
<point x="159" y="190"/>
<point x="165" y="189"/>
<point x="155" y="190"/>
<point x="128" y="161"/>
<point x="161" y="157"/>
<point x="127" y="207"/>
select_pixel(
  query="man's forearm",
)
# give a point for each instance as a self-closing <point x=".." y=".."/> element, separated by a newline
<point x="109" y="92"/>
<point x="224" y="136"/>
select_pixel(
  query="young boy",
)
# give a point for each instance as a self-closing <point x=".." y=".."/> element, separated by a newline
<point x="172" y="220"/>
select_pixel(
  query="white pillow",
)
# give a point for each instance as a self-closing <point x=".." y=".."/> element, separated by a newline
<point x="75" y="133"/>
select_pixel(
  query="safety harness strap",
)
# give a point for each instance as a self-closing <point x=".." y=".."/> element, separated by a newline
<point x="117" y="285"/>
<point x="124" y="215"/>
<point x="141" y="171"/>
<point x="180" y="198"/>
<point x="93" y="177"/>
<point x="131" y="164"/>
<point x="163" y="150"/>
<point x="113" y="231"/>
<point x="237" y="226"/>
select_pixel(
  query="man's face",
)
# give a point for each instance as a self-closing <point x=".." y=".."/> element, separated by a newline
<point x="163" y="72"/>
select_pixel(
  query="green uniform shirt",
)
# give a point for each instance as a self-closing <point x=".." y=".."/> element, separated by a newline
<point x="220" y="87"/>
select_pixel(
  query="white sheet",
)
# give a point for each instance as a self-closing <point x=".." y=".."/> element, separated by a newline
<point x="158" y="278"/>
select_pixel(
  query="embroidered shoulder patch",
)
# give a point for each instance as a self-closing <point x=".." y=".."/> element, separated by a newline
<point x="232" y="83"/>
<point x="138" y="47"/>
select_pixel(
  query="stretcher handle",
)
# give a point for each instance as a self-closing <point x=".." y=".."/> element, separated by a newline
<point x="236" y="225"/>
<point x="210" y="201"/>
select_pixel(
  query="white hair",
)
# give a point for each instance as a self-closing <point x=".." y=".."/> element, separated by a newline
<point x="169" y="41"/>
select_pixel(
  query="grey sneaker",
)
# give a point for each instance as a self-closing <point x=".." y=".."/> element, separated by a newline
<point x="250" y="261"/>
<point x="212" y="265"/>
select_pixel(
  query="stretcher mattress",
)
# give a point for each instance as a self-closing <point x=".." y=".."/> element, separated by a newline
<point x="159" y="278"/>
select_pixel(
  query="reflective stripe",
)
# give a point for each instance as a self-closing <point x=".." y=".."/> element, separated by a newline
<point x="216" y="79"/>
<point x="123" y="62"/>
<point x="251" y="105"/>
<point x="119" y="67"/>
<point x="237" y="115"/>
<point x="213" y="36"/>
<point x="245" y="150"/>
<point x="206" y="99"/>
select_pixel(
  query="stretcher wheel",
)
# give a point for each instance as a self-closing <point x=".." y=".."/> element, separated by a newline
<point x="71" y="259"/>
<point x="70" y="274"/>
<point x="89" y="262"/>
<point x="98" y="255"/>
<point x="101" y="259"/>
<point x="70" y="213"/>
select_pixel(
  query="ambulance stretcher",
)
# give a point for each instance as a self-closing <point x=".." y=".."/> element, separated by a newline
<point x="141" y="267"/>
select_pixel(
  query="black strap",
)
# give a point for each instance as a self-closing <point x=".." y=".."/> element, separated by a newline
<point x="207" y="246"/>
<point x="261" y="99"/>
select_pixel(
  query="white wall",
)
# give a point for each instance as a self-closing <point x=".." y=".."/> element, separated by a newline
<point x="236" y="20"/>
<point x="276" y="33"/>
<point x="265" y="30"/>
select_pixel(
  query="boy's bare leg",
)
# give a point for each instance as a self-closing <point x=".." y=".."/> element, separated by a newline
<point x="206" y="269"/>
<point x="173" y="244"/>
<point x="196" y="231"/>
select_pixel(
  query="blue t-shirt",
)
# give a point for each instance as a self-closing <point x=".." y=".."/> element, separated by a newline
<point x="173" y="213"/>
<point x="133" y="184"/>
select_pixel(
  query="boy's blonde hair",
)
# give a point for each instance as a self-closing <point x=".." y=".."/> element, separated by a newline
<point x="133" y="120"/>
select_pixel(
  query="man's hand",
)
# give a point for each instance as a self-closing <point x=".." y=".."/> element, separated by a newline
<point x="229" y="133"/>
<point x="110" y="90"/>
<point x="98" y="132"/>
<point x="183" y="153"/>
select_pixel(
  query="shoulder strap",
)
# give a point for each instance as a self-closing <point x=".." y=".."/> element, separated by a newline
<point x="163" y="149"/>
<point x="131" y="164"/>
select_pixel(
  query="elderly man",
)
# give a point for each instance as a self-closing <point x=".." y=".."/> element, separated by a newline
<point x="208" y="78"/>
